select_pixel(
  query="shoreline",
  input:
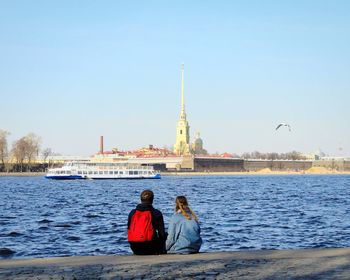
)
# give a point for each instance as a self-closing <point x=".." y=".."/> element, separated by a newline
<point x="210" y="173"/>
<point x="251" y="173"/>
<point x="22" y="174"/>
<point x="262" y="264"/>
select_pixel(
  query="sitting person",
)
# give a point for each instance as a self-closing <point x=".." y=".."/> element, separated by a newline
<point x="184" y="231"/>
<point x="146" y="233"/>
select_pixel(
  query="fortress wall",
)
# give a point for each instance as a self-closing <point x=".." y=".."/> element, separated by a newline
<point x="218" y="164"/>
<point x="187" y="164"/>
<point x="333" y="164"/>
<point x="347" y="165"/>
<point x="238" y="165"/>
<point x="255" y="165"/>
<point x="277" y="165"/>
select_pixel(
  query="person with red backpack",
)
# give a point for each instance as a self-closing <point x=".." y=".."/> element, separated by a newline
<point x="146" y="232"/>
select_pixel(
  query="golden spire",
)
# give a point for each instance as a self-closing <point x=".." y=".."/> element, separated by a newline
<point x="183" y="113"/>
<point x="182" y="145"/>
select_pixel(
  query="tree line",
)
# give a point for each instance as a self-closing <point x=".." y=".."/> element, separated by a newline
<point x="22" y="154"/>
<point x="294" y="155"/>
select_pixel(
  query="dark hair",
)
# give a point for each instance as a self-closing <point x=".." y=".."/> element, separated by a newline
<point x="147" y="196"/>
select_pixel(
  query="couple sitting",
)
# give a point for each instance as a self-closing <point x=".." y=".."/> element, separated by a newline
<point x="146" y="233"/>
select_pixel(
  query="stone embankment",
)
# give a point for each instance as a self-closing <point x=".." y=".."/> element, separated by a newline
<point x="275" y="264"/>
<point x="21" y="174"/>
<point x="265" y="171"/>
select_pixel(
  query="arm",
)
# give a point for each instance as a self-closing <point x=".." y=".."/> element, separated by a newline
<point x="158" y="224"/>
<point x="170" y="241"/>
<point x="160" y="235"/>
<point x="161" y="228"/>
<point x="130" y="216"/>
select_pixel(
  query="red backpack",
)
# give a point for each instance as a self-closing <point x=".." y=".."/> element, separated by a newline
<point x="141" y="228"/>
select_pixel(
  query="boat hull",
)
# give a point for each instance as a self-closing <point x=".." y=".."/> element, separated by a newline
<point x="68" y="177"/>
<point x="78" y="177"/>
<point x="156" y="176"/>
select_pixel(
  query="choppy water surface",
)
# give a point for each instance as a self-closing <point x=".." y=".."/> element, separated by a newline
<point x="40" y="218"/>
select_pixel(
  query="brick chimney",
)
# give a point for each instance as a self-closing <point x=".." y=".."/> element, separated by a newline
<point x="101" y="144"/>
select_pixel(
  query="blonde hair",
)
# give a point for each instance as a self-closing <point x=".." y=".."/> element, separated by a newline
<point x="182" y="205"/>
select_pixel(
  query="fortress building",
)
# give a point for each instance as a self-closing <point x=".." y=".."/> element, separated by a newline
<point x="182" y="146"/>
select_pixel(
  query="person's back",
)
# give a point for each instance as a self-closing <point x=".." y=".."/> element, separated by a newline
<point x="146" y="233"/>
<point x="184" y="230"/>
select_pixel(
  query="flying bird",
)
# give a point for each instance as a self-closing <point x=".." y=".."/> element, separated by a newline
<point x="283" y="124"/>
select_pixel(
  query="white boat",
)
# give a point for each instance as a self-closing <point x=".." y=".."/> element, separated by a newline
<point x="98" y="170"/>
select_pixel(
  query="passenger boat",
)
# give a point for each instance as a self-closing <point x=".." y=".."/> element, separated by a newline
<point x="98" y="170"/>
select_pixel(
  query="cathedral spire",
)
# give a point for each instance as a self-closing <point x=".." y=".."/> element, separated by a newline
<point x="183" y="113"/>
<point x="182" y="145"/>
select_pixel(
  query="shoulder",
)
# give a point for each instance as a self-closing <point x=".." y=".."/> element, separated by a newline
<point x="176" y="217"/>
<point x="157" y="213"/>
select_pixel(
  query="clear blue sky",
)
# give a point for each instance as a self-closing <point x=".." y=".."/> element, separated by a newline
<point x="71" y="71"/>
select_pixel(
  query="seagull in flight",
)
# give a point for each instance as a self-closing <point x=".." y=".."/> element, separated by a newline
<point x="283" y="124"/>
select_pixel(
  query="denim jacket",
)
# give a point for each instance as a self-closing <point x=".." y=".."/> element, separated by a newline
<point x="183" y="235"/>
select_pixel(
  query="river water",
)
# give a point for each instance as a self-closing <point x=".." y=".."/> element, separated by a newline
<point x="45" y="218"/>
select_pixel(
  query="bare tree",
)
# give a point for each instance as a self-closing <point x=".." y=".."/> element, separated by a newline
<point x="294" y="155"/>
<point x="26" y="149"/>
<point x="256" y="155"/>
<point x="46" y="153"/>
<point x="272" y="156"/>
<point x="246" y="156"/>
<point x="33" y="146"/>
<point x="18" y="152"/>
<point x="3" y="147"/>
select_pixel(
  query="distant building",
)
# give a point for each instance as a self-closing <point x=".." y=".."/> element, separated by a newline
<point x="314" y="156"/>
<point x="60" y="159"/>
<point x="197" y="146"/>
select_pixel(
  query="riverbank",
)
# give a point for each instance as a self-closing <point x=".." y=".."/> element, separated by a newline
<point x="21" y="174"/>
<point x="252" y="173"/>
<point x="266" y="264"/>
